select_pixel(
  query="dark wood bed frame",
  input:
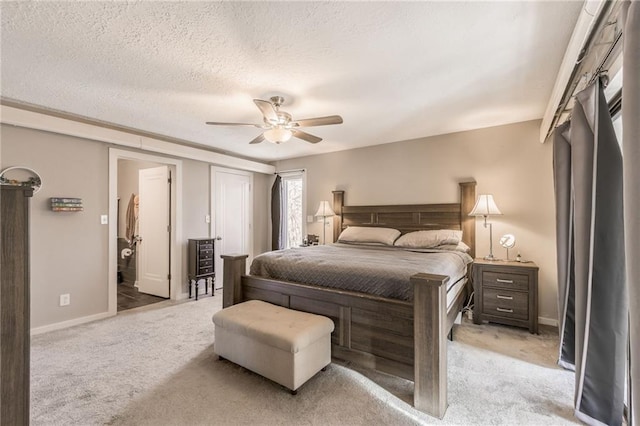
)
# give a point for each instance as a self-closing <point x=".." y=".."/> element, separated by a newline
<point x="406" y="339"/>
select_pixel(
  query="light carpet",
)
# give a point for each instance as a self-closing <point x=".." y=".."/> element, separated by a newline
<point x="157" y="366"/>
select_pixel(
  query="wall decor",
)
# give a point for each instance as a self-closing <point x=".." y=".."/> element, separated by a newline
<point x="66" y="204"/>
<point x="21" y="176"/>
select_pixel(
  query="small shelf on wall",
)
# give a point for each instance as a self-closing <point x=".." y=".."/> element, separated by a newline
<point x="66" y="204"/>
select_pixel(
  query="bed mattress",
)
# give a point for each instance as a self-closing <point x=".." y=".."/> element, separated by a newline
<point x="379" y="271"/>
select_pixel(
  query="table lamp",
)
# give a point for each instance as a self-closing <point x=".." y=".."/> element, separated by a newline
<point x="324" y="211"/>
<point x="485" y="206"/>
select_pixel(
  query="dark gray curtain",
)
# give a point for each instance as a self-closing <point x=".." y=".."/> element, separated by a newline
<point x="631" y="149"/>
<point x="277" y="224"/>
<point x="588" y="171"/>
<point x="564" y="243"/>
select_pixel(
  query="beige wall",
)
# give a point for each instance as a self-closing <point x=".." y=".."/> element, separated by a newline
<point x="506" y="161"/>
<point x="69" y="250"/>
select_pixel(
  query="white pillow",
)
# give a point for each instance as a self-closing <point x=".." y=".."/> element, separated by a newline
<point x="462" y="247"/>
<point x="368" y="235"/>
<point x="429" y="239"/>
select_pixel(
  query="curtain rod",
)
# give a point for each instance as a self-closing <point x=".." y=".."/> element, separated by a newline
<point x="283" y="172"/>
<point x="577" y="75"/>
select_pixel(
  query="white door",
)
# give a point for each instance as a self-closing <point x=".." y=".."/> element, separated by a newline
<point x="233" y="212"/>
<point x="154" y="229"/>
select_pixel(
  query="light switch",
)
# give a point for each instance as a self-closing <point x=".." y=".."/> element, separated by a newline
<point x="207" y="218"/>
<point x="309" y="219"/>
<point x="104" y="219"/>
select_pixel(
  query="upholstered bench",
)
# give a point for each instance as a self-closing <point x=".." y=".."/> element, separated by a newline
<point x="281" y="344"/>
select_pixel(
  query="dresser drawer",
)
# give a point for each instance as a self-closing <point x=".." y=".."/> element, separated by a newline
<point x="505" y="303"/>
<point x="206" y="262"/>
<point x="207" y="270"/>
<point x="206" y="254"/>
<point x="206" y="246"/>
<point x="506" y="280"/>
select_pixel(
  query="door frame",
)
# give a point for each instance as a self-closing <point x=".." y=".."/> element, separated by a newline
<point x="175" y="249"/>
<point x="212" y="225"/>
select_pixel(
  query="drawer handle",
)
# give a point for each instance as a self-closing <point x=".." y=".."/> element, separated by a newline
<point x="499" y="296"/>
<point x="510" y="311"/>
<point x="504" y="281"/>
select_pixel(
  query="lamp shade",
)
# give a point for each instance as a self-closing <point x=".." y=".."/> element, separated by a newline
<point x="485" y="206"/>
<point x="278" y="134"/>
<point x="324" y="210"/>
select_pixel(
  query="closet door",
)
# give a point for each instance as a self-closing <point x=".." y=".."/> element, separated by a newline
<point x="14" y="305"/>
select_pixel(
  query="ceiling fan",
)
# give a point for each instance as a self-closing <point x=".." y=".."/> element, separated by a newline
<point x="278" y="125"/>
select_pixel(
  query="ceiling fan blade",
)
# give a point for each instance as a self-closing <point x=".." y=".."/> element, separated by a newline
<point x="305" y="136"/>
<point x="268" y="110"/>
<point x="218" y="123"/>
<point x="258" y="139"/>
<point x="318" y="121"/>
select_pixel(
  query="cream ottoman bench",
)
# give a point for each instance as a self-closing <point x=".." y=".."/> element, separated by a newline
<point x="281" y="344"/>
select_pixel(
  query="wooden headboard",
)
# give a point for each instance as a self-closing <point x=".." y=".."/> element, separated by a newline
<point x="412" y="217"/>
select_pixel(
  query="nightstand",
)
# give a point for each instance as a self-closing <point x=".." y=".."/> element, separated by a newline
<point x="506" y="293"/>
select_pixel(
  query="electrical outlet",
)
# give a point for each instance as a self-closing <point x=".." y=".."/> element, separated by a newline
<point x="470" y="315"/>
<point x="65" y="299"/>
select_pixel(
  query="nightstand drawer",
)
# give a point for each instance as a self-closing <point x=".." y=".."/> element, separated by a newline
<point x="506" y="280"/>
<point x="504" y="303"/>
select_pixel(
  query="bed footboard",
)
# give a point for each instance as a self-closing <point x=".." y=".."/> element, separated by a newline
<point x="430" y="343"/>
<point x="406" y="339"/>
<point x="234" y="267"/>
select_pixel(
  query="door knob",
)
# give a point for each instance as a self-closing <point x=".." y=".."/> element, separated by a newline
<point x="218" y="237"/>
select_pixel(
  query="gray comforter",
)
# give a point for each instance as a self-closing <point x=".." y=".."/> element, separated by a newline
<point x="380" y="271"/>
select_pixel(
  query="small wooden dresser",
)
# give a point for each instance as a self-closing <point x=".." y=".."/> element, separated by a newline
<point x="201" y="264"/>
<point x="506" y="293"/>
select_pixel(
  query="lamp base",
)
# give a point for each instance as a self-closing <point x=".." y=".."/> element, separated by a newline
<point x="491" y="258"/>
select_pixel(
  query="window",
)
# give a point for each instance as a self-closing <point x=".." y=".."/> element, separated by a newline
<point x="617" y="127"/>
<point x="293" y="189"/>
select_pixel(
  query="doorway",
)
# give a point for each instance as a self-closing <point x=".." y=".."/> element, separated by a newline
<point x="144" y="254"/>
<point x="143" y="233"/>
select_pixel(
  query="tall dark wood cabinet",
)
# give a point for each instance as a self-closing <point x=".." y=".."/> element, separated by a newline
<point x="201" y="264"/>
<point x="14" y="305"/>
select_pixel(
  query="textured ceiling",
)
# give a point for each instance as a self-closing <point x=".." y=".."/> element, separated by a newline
<point x="393" y="70"/>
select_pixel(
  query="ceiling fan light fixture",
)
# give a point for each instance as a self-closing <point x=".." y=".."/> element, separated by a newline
<point x="278" y="135"/>
<point x="278" y="126"/>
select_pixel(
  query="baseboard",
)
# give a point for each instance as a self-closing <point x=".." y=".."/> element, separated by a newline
<point x="69" y="323"/>
<point x="548" y="321"/>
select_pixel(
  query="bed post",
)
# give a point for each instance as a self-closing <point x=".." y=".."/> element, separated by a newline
<point x="338" y="202"/>
<point x="235" y="266"/>
<point x="468" y="223"/>
<point x="430" y="343"/>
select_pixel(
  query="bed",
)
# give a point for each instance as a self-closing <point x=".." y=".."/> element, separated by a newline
<point x="403" y="336"/>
